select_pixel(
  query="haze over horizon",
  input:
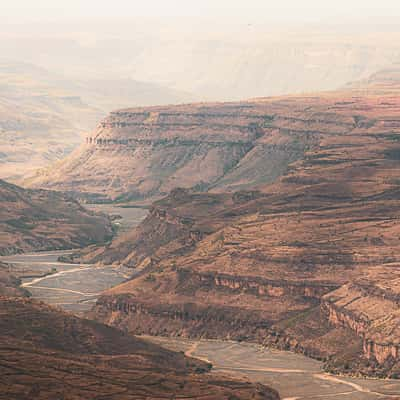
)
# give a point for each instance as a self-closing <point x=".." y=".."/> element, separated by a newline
<point x="256" y="10"/>
<point x="64" y="65"/>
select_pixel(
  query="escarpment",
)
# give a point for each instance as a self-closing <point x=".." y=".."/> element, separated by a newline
<point x="275" y="264"/>
<point x="142" y="154"/>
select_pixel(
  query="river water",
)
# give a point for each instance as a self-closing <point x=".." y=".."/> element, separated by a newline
<point x="69" y="286"/>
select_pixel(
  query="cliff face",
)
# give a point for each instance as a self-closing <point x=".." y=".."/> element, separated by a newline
<point x="61" y="356"/>
<point x="266" y="264"/>
<point x="33" y="220"/>
<point x="372" y="313"/>
<point x="43" y="116"/>
<point x="142" y="154"/>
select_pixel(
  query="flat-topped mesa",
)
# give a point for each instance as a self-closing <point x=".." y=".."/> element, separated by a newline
<point x="142" y="154"/>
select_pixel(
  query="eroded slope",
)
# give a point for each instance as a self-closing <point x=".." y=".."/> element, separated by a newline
<point x="142" y="154"/>
<point x="45" y="220"/>
<point x="47" y="354"/>
<point x="273" y="265"/>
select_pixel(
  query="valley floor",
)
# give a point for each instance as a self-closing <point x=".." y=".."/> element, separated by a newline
<point x="72" y="287"/>
<point x="293" y="375"/>
<point x="76" y="287"/>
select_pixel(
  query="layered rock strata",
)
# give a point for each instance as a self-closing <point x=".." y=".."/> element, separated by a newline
<point x="274" y="265"/>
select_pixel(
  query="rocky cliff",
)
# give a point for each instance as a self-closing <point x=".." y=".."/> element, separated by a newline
<point x="142" y="154"/>
<point x="273" y="265"/>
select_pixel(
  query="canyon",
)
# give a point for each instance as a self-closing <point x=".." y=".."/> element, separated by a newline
<point x="167" y="233"/>
<point x="47" y="353"/>
<point x="287" y="235"/>
<point x="300" y="254"/>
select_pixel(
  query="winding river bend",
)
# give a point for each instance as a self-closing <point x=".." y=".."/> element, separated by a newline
<point x="73" y="287"/>
<point x="76" y="287"/>
<point x="70" y="286"/>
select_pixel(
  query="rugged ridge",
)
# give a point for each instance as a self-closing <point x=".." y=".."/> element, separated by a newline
<point x="141" y="154"/>
<point x="270" y="265"/>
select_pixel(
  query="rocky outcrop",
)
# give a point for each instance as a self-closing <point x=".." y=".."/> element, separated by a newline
<point x="189" y="280"/>
<point x="373" y="316"/>
<point x="189" y="319"/>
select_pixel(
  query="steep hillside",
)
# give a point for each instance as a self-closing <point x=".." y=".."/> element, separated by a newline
<point x="43" y="220"/>
<point x="309" y="262"/>
<point x="47" y="354"/>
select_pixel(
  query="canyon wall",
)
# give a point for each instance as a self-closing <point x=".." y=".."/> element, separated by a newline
<point x="142" y="154"/>
<point x="373" y="314"/>
<point x="271" y="263"/>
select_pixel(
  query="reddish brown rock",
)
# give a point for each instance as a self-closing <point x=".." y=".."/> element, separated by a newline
<point x="266" y="265"/>
<point x="45" y="220"/>
<point x="48" y="354"/>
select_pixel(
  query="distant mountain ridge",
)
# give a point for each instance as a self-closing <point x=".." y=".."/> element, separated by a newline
<point x="43" y="115"/>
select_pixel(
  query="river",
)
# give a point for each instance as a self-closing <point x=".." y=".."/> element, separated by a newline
<point x="73" y="287"/>
<point x="70" y="286"/>
<point x="296" y="377"/>
<point x="76" y="287"/>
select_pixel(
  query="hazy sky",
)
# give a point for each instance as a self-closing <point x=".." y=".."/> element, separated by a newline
<point x="291" y="10"/>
